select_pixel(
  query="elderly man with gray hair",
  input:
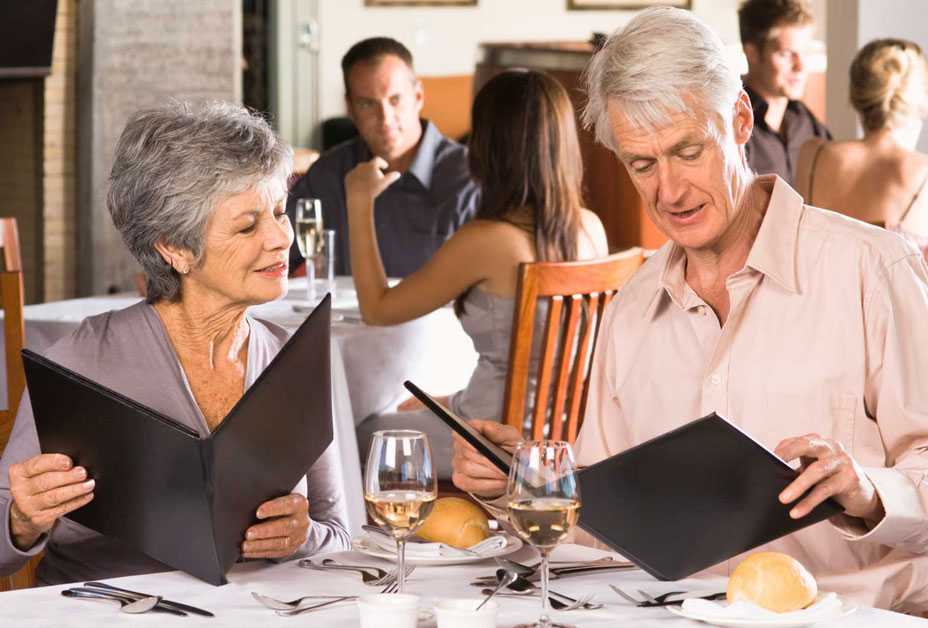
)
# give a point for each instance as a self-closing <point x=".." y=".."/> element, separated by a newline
<point x="803" y="327"/>
<point x="198" y="195"/>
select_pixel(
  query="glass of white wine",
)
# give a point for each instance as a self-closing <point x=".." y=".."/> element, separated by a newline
<point x="399" y="487"/>
<point x="309" y="238"/>
<point x="544" y="504"/>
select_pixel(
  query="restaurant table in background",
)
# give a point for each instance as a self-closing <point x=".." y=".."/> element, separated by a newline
<point x="369" y="364"/>
<point x="234" y="605"/>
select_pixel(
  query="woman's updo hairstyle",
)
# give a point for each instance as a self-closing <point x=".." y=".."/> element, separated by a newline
<point x="888" y="83"/>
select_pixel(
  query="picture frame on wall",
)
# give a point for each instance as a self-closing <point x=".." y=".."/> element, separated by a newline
<point x="599" y="5"/>
<point x="420" y="3"/>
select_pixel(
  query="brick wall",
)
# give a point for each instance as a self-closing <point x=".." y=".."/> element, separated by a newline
<point x="59" y="155"/>
<point x="20" y="188"/>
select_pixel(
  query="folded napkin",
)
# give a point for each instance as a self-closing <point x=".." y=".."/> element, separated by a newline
<point x="827" y="606"/>
<point x="422" y="549"/>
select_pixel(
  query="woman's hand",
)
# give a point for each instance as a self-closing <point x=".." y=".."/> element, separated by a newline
<point x="829" y="471"/>
<point x="365" y="182"/>
<point x="44" y="488"/>
<point x="283" y="533"/>
<point x="474" y="473"/>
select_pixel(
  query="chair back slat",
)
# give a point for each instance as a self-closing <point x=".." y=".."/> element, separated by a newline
<point x="555" y="408"/>
<point x="9" y="240"/>
<point x="565" y="366"/>
<point x="548" y="351"/>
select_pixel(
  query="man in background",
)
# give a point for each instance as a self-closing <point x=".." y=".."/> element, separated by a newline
<point x="776" y="35"/>
<point x="435" y="194"/>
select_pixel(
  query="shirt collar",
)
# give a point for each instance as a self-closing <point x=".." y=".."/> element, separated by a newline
<point x="759" y="105"/>
<point x="423" y="163"/>
<point x="773" y="252"/>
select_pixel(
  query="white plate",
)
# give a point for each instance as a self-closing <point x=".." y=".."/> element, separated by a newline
<point x="773" y="622"/>
<point x="363" y="545"/>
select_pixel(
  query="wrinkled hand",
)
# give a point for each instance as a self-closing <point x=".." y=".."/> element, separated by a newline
<point x="829" y="471"/>
<point x="283" y="533"/>
<point x="474" y="473"/>
<point x="366" y="181"/>
<point x="413" y="403"/>
<point x="44" y="488"/>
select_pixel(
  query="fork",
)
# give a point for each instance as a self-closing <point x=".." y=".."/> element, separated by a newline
<point x="662" y="599"/>
<point x="585" y="601"/>
<point x="390" y="588"/>
<point x="376" y="579"/>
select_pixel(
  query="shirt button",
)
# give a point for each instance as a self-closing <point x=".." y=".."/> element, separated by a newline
<point x="716" y="379"/>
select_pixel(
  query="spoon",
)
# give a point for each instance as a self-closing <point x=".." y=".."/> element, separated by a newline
<point x="133" y="607"/>
<point x="506" y="578"/>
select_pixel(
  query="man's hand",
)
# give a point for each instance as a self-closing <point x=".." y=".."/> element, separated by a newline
<point x="474" y="473"/>
<point x="44" y="488"/>
<point x="366" y="181"/>
<point x="828" y="468"/>
<point x="284" y="532"/>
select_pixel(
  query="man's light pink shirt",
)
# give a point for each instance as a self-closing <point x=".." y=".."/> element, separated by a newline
<point x="827" y="334"/>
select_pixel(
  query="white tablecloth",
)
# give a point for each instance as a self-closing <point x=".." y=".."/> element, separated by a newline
<point x="234" y="606"/>
<point x="369" y="364"/>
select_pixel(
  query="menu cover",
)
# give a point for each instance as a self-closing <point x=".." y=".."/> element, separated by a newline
<point x="680" y="502"/>
<point x="183" y="499"/>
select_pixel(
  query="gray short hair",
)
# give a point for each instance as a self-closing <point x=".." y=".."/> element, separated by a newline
<point x="665" y="61"/>
<point x="172" y="167"/>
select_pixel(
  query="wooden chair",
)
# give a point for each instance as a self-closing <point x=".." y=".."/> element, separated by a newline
<point x="11" y="302"/>
<point x="576" y="294"/>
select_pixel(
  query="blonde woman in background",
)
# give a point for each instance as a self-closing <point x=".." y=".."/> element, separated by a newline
<point x="880" y="178"/>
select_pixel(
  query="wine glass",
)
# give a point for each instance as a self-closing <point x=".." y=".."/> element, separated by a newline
<point x="308" y="238"/>
<point x="399" y="487"/>
<point x="544" y="504"/>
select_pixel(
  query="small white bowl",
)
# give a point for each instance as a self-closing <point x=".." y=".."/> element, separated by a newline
<point x="389" y="610"/>
<point x="458" y="613"/>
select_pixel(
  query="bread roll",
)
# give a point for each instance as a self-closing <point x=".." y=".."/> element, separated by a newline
<point x="773" y="581"/>
<point x="456" y="522"/>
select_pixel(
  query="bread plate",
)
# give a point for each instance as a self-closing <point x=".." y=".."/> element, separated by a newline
<point x="788" y="620"/>
<point x="366" y="546"/>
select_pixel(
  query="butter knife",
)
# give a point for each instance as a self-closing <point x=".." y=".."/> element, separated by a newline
<point x="177" y="605"/>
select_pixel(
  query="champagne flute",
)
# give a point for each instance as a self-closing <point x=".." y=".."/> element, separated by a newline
<point x="544" y="504"/>
<point x="308" y="238"/>
<point x="399" y="487"/>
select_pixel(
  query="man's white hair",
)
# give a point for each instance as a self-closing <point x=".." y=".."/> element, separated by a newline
<point x="663" y="62"/>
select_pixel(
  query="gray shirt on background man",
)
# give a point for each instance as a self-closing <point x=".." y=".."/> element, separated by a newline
<point x="413" y="217"/>
<point x="129" y="351"/>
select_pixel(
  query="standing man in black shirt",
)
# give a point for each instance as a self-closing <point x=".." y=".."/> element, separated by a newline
<point x="775" y="35"/>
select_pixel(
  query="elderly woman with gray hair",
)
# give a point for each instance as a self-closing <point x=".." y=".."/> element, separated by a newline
<point x="198" y="196"/>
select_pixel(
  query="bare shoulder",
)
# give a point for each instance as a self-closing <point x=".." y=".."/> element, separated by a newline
<point x="593" y="237"/>
<point x="492" y="240"/>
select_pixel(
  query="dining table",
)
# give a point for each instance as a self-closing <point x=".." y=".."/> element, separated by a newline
<point x="369" y="363"/>
<point x="233" y="603"/>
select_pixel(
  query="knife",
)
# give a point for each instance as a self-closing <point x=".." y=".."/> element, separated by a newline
<point x="177" y="605"/>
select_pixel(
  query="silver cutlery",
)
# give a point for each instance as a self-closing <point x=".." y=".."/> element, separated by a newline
<point x="280" y="605"/>
<point x="372" y="576"/>
<point x="585" y="602"/>
<point x="505" y="579"/>
<point x="521" y="585"/>
<point x="647" y="600"/>
<point x="129" y="605"/>
<point x="390" y="588"/>
<point x="531" y="573"/>
<point x="168" y="603"/>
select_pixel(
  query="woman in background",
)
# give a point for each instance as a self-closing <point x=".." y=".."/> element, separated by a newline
<point x="880" y="178"/>
<point x="525" y="155"/>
